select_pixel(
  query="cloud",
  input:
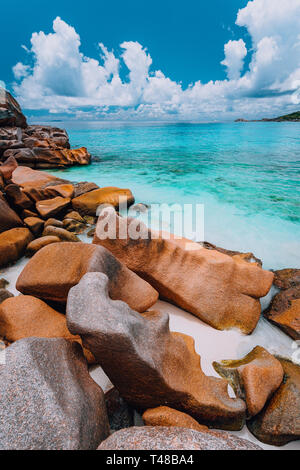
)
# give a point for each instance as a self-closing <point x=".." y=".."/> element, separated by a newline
<point x="61" y="78"/>
<point x="235" y="52"/>
<point x="20" y="70"/>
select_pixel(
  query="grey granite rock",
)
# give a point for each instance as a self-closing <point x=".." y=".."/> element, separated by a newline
<point x="149" y="365"/>
<point x="165" y="438"/>
<point x="48" y="399"/>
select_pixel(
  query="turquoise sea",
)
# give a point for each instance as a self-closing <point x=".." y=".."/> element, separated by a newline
<point x="247" y="175"/>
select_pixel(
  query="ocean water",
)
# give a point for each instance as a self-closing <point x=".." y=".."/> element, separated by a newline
<point x="247" y="175"/>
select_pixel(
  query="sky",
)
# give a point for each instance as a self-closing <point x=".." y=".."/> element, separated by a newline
<point x="165" y="60"/>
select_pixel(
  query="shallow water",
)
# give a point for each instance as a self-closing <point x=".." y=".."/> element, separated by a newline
<point x="246" y="174"/>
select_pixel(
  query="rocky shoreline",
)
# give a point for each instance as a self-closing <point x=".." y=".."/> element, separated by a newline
<point x="40" y="147"/>
<point x="83" y="304"/>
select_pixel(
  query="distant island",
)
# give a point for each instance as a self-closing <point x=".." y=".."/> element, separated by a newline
<point x="293" y="117"/>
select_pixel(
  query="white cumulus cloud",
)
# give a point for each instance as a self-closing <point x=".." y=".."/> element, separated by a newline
<point x="235" y="53"/>
<point x="62" y="79"/>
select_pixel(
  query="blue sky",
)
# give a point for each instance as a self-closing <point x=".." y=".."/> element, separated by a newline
<point x="151" y="53"/>
<point x="171" y="30"/>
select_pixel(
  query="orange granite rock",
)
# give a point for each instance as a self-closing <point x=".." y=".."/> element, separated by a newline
<point x="56" y="268"/>
<point x="254" y="378"/>
<point x="165" y="416"/>
<point x="26" y="316"/>
<point x="279" y="422"/>
<point x="7" y="168"/>
<point x="89" y="202"/>
<point x="27" y="177"/>
<point x="8" y="217"/>
<point x="221" y="290"/>
<point x="17" y="198"/>
<point x="35" y="224"/>
<point x="61" y="233"/>
<point x="49" y="157"/>
<point x="284" y="311"/>
<point x="287" y="278"/>
<point x="39" y="243"/>
<point x="13" y="244"/>
<point x="47" y="192"/>
<point x="50" y="207"/>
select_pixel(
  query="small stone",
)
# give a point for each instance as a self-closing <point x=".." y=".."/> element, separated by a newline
<point x="165" y="416"/>
<point x="75" y="216"/>
<point x="39" y="243"/>
<point x="91" y="232"/>
<point x="74" y="226"/>
<point x="61" y="233"/>
<point x="89" y="219"/>
<point x="35" y="225"/>
<point x="54" y="223"/>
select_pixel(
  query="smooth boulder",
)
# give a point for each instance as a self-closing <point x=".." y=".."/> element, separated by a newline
<point x="287" y="278"/>
<point x="48" y="401"/>
<point x="50" y="207"/>
<point x="158" y="367"/>
<point x="61" y="233"/>
<point x="39" y="243"/>
<point x="28" y="178"/>
<point x="165" y="438"/>
<point x="89" y="202"/>
<point x="25" y="316"/>
<point x="284" y="311"/>
<point x="279" y="422"/>
<point x="254" y="378"/>
<point x="54" y="269"/>
<point x="13" y="244"/>
<point x="220" y="290"/>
